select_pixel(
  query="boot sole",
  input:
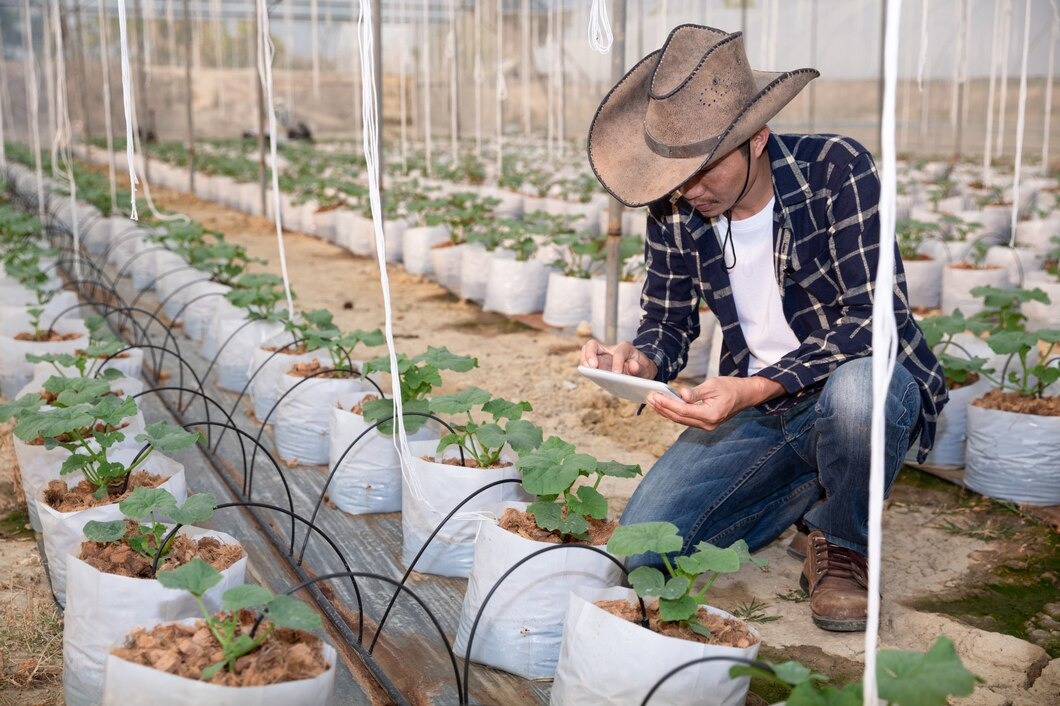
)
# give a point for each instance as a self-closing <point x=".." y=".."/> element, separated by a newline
<point x="832" y="624"/>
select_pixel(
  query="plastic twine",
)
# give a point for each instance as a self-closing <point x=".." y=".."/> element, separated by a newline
<point x="49" y="82"/>
<point x="65" y="131"/>
<point x="988" y="146"/>
<point x="1055" y="38"/>
<point x="34" y="105"/>
<point x="1006" y="38"/>
<point x="108" y="119"/>
<point x="126" y="92"/>
<point x="884" y="339"/>
<point x="1021" y="119"/>
<point x="426" y="63"/>
<point x="502" y="88"/>
<point x="265" y="55"/>
<point x="922" y="60"/>
<point x="600" y="35"/>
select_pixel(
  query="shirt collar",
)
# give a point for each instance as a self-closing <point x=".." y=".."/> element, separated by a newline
<point x="788" y="181"/>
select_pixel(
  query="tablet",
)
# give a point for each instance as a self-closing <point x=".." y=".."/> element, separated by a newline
<point x="626" y="386"/>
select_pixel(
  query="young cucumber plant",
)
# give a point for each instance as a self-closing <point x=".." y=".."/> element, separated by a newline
<point x="153" y="503"/>
<point x="903" y="678"/>
<point x="88" y="429"/>
<point x="197" y="577"/>
<point x="258" y="294"/>
<point x="550" y="472"/>
<point x="484" y="441"/>
<point x="101" y="345"/>
<point x="939" y="332"/>
<point x="679" y="601"/>
<point x="1027" y="380"/>
<point x="1001" y="307"/>
<point x="417" y="377"/>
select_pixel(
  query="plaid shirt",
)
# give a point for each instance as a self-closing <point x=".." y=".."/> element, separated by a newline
<point x="826" y="235"/>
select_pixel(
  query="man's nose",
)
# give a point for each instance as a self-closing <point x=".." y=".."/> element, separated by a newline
<point x="693" y="188"/>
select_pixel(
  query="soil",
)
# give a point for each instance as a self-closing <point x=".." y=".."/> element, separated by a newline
<point x="302" y="370"/>
<point x="46" y="337"/>
<point x="970" y="266"/>
<point x="293" y="350"/>
<point x="48" y="397"/>
<point x="359" y="407"/>
<point x="918" y="257"/>
<point x="118" y="557"/>
<point x="64" y="499"/>
<point x="952" y="385"/>
<point x="726" y="632"/>
<point x="523" y="524"/>
<point x="1015" y="402"/>
<point x="185" y="650"/>
<point x="468" y="462"/>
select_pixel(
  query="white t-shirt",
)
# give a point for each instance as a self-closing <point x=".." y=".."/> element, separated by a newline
<point x="754" y="289"/>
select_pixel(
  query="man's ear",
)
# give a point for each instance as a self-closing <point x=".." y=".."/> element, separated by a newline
<point x="759" y="140"/>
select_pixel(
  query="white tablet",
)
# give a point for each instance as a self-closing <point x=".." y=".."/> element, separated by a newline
<point x="626" y="386"/>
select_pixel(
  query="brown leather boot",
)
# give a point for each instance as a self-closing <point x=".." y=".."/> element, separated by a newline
<point x="836" y="579"/>
<point x="799" y="541"/>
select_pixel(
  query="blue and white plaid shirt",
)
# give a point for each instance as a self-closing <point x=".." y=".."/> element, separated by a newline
<point x="826" y="236"/>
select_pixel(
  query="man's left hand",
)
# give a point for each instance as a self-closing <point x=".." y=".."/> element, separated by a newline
<point x="715" y="400"/>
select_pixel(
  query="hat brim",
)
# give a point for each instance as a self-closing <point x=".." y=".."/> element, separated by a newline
<point x="634" y="173"/>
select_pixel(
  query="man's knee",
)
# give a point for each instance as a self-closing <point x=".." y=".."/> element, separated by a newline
<point x="847" y="395"/>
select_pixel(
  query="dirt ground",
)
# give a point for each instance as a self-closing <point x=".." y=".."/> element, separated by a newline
<point x="939" y="541"/>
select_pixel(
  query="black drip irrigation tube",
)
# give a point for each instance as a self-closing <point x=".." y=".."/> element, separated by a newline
<point x="702" y="660"/>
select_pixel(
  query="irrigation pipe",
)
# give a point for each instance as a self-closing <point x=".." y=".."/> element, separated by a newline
<point x="884" y="339"/>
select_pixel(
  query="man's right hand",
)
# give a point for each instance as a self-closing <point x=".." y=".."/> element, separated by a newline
<point x="619" y="358"/>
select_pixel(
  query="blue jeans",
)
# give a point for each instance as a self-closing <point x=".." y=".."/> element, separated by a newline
<point x="758" y="473"/>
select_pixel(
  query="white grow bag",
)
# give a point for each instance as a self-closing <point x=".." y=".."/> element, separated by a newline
<point x="369" y="478"/>
<point x="521" y="629"/>
<point x="445" y="265"/>
<point x="431" y="491"/>
<point x="957" y="286"/>
<point x="608" y="660"/>
<point x="628" y="308"/>
<point x="15" y="371"/>
<point x="267" y="368"/>
<point x="416" y="248"/>
<point x="237" y="340"/>
<point x="126" y="683"/>
<point x="301" y="420"/>
<point x="63" y="530"/>
<point x="923" y="278"/>
<point x="515" y="287"/>
<point x="102" y="608"/>
<point x="474" y="272"/>
<point x="568" y="300"/>
<point x="951" y="429"/>
<point x="1013" y="456"/>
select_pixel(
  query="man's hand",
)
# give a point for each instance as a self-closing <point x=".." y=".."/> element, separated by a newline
<point x="715" y="400"/>
<point x="619" y="358"/>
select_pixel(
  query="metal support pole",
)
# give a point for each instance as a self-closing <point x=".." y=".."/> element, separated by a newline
<point x="188" y="101"/>
<point x="614" y="213"/>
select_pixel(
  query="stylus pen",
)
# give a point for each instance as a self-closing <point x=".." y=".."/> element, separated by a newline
<point x="641" y="408"/>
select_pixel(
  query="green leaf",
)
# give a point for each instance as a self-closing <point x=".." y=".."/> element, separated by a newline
<point x="196" y="577"/>
<point x="491" y="436"/>
<point x="1008" y="342"/>
<point x="593" y="503"/>
<point x="617" y="470"/>
<point x="647" y="581"/>
<point x="575" y="525"/>
<point x="209" y="672"/>
<point x="246" y="596"/>
<point x="672" y="611"/>
<point x="442" y="359"/>
<point x="459" y="402"/>
<point x="675" y="588"/>
<point x="707" y="557"/>
<point x="289" y="612"/>
<point x="143" y="501"/>
<point x="24" y="404"/>
<point x="553" y="467"/>
<point x="74" y="463"/>
<point x="547" y="514"/>
<point x="104" y="532"/>
<point x="658" y="537"/>
<point x="698" y="628"/>
<point x="915" y="679"/>
<point x="806" y="694"/>
<point x="167" y="437"/>
<point x="503" y="409"/>
<point x="523" y="436"/>
<point x="197" y="508"/>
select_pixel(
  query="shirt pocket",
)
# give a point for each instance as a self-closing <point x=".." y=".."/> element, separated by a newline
<point x="816" y="279"/>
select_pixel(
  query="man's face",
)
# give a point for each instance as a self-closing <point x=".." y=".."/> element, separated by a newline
<point x="715" y="190"/>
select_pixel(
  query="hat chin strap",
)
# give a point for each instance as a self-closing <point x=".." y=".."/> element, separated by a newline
<point x="727" y="243"/>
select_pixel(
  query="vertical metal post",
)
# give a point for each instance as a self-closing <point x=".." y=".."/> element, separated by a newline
<point x="144" y="118"/>
<point x="377" y="46"/>
<point x="188" y="101"/>
<point x="614" y="213"/>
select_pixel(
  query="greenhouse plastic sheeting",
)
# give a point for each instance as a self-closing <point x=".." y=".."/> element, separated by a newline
<point x="1013" y="456"/>
<point x="522" y="626"/>
<point x="608" y="660"/>
<point x="102" y="608"/>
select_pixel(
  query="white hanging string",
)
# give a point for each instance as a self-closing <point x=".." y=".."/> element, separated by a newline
<point x="884" y="340"/>
<point x="49" y="81"/>
<point x="479" y="76"/>
<point x="403" y="54"/>
<point x="502" y="88"/>
<point x="3" y="98"/>
<point x="67" y="132"/>
<point x="1006" y="40"/>
<point x="104" y="55"/>
<point x="314" y="31"/>
<point x="989" y="142"/>
<point x="550" y="83"/>
<point x="1054" y="39"/>
<point x="217" y="23"/>
<point x="34" y="105"/>
<point x="364" y="26"/>
<point x="425" y="55"/>
<point x="450" y="57"/>
<point x="1021" y="117"/>
<point x="600" y="36"/>
<point x="922" y="62"/>
<point x="265" y="55"/>
<point x="126" y="91"/>
<point x="958" y="63"/>
<point x="358" y="111"/>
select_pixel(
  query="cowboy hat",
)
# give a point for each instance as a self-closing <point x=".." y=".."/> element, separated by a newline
<point x="680" y="109"/>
